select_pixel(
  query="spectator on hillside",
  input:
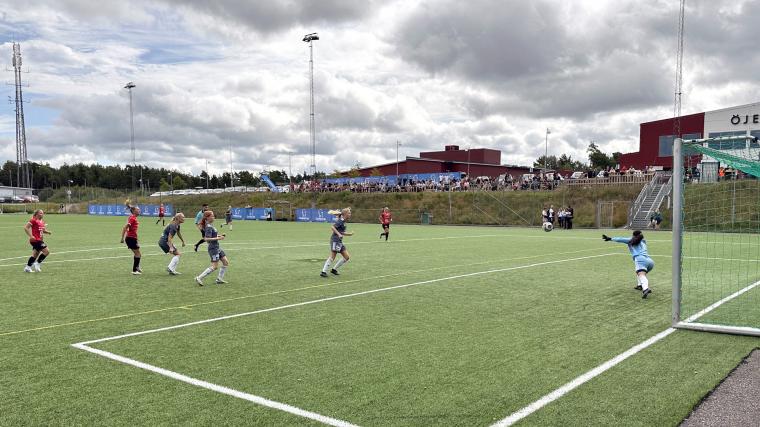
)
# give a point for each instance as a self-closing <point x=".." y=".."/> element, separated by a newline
<point x="569" y="218"/>
<point x="655" y="219"/>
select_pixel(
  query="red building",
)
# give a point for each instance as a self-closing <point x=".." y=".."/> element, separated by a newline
<point x="656" y="138"/>
<point x="477" y="162"/>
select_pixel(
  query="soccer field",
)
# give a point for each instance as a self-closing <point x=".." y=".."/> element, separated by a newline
<point x="437" y="326"/>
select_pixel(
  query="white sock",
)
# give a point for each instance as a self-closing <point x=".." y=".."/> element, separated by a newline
<point x="173" y="263"/>
<point x="230" y="226"/>
<point x="644" y="282"/>
<point x="327" y="265"/>
<point x="206" y="272"/>
<point x="339" y="263"/>
<point x="220" y="276"/>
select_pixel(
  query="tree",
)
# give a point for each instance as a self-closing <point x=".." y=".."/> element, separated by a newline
<point x="598" y="159"/>
<point x="375" y="172"/>
<point x="551" y="162"/>
<point x="164" y="186"/>
<point x="179" y="183"/>
<point x="354" y="172"/>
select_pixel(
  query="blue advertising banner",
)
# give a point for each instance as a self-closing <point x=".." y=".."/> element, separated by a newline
<point x="121" y="210"/>
<point x="314" y="215"/>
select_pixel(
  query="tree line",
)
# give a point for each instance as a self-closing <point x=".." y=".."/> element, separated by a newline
<point x="597" y="160"/>
<point x="128" y="177"/>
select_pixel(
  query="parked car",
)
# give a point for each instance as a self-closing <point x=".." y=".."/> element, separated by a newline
<point x="578" y="175"/>
<point x="30" y="198"/>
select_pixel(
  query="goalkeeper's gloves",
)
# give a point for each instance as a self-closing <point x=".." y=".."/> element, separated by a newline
<point x="606" y="238"/>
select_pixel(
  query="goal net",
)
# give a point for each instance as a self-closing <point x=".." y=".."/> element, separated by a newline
<point x="716" y="235"/>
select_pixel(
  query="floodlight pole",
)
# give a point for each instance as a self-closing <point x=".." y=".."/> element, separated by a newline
<point x="677" y="227"/>
<point x="546" y="150"/>
<point x="309" y="38"/>
<point x="129" y="86"/>
<point x="397" y="145"/>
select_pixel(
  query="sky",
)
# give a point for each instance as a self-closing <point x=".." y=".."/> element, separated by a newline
<point x="230" y="79"/>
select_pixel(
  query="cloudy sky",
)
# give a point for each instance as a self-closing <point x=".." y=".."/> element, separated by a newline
<point x="484" y="73"/>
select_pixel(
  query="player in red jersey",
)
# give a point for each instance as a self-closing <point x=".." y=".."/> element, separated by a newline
<point x="161" y="213"/>
<point x="385" y="220"/>
<point x="35" y="229"/>
<point x="129" y="235"/>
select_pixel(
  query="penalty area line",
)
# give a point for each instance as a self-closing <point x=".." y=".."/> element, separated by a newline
<point x="219" y="389"/>
<point x="85" y="345"/>
<point x="190" y="306"/>
<point x="577" y="382"/>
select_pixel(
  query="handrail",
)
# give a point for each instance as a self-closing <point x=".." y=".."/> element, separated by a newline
<point x="611" y="180"/>
<point x="661" y="179"/>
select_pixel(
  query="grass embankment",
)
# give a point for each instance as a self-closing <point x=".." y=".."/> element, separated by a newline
<point x="519" y="208"/>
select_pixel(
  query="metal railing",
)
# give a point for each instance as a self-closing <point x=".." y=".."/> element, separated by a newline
<point x="660" y="181"/>
<point x="616" y="179"/>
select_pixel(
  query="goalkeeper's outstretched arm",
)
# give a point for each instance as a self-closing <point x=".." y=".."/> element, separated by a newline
<point x="607" y="238"/>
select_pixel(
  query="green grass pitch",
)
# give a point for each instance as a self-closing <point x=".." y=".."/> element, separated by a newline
<point x="492" y="319"/>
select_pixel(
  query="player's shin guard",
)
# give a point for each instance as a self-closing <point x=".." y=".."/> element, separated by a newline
<point x="173" y="263"/>
<point x="41" y="258"/>
<point x="135" y="263"/>
<point x="339" y="263"/>
<point x="324" y="269"/>
<point x="222" y="270"/>
<point x="644" y="282"/>
<point x="30" y="261"/>
<point x="206" y="272"/>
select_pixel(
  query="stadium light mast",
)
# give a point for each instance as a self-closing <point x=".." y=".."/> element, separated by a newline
<point x="309" y="38"/>
<point x="397" y="145"/>
<point x="129" y="86"/>
<point x="546" y="150"/>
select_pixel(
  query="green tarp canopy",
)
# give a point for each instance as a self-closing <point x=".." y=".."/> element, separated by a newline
<point x="748" y="166"/>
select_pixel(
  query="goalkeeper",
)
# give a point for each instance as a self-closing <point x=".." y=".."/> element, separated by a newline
<point x="643" y="264"/>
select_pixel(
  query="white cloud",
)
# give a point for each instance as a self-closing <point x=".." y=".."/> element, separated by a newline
<point x="427" y="73"/>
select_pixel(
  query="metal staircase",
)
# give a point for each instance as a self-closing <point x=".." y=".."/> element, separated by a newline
<point x="649" y="200"/>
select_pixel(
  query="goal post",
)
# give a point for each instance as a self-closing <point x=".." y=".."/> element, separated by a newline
<point x="716" y="237"/>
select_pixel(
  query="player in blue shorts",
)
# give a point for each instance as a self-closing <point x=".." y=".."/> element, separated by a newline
<point x="643" y="264"/>
<point x="166" y="242"/>
<point x="336" y="242"/>
<point x="214" y="251"/>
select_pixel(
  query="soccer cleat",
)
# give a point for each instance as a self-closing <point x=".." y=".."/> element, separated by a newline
<point x="646" y="293"/>
<point x="28" y="269"/>
<point x="637" y="287"/>
<point x="322" y="274"/>
<point x="196" y="248"/>
<point x="220" y="281"/>
<point x="36" y="267"/>
<point x="137" y="272"/>
<point x="173" y="272"/>
<point x="335" y="272"/>
<point x="199" y="281"/>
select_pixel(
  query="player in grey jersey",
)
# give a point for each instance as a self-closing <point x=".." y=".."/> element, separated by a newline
<point x="166" y="242"/>
<point x="214" y="251"/>
<point x="336" y="242"/>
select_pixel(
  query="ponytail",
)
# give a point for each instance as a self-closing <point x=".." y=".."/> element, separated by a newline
<point x="206" y="215"/>
<point x="638" y="236"/>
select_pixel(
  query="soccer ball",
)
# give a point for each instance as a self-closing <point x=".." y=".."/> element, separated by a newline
<point x="548" y="227"/>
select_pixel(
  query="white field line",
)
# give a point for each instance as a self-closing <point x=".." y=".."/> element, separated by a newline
<point x="721" y="302"/>
<point x="260" y="400"/>
<point x="219" y="389"/>
<point x="307" y="245"/>
<point x="339" y="297"/>
<point x="577" y="382"/>
<point x="284" y="291"/>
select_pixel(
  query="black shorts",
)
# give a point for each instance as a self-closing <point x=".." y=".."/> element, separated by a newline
<point x="132" y="243"/>
<point x="38" y="245"/>
<point x="386" y="226"/>
<point x="164" y="245"/>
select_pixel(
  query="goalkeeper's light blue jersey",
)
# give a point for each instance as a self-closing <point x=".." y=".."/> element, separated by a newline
<point x="636" y="251"/>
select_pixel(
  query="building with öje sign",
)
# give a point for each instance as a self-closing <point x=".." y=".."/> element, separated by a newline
<point x="656" y="138"/>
